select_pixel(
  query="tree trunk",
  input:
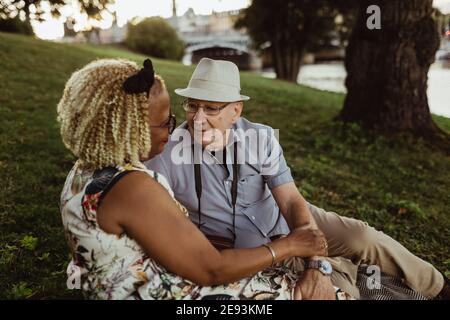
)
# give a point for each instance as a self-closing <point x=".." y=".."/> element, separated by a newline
<point x="287" y="61"/>
<point x="387" y="68"/>
<point x="27" y="12"/>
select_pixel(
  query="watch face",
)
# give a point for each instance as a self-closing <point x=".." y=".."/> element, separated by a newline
<point x="325" y="267"/>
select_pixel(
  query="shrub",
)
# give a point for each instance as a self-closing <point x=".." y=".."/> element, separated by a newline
<point x="155" y="37"/>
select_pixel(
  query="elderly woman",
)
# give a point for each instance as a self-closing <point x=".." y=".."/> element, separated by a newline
<point x="130" y="239"/>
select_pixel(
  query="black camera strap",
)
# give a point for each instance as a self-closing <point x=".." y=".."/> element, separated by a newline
<point x="234" y="188"/>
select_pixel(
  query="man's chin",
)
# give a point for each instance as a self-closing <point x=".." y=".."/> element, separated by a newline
<point x="200" y="138"/>
<point x="204" y="143"/>
<point x="204" y="138"/>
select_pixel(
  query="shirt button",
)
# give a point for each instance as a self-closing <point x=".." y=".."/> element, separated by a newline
<point x="253" y="217"/>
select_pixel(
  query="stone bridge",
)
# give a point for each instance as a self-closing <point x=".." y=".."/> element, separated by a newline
<point x="232" y="46"/>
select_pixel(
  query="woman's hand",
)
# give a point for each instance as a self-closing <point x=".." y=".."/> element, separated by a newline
<point x="307" y="243"/>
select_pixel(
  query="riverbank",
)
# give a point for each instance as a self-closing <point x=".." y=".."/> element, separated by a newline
<point x="330" y="76"/>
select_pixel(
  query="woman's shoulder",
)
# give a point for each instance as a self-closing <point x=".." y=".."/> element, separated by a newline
<point x="94" y="185"/>
<point x="161" y="179"/>
<point x="102" y="179"/>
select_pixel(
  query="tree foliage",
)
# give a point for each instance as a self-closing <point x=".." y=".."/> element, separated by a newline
<point x="29" y="10"/>
<point x="289" y="28"/>
<point x="155" y="37"/>
<point x="33" y="10"/>
<point x="94" y="8"/>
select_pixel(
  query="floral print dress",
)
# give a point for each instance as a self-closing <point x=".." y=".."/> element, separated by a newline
<point x="115" y="267"/>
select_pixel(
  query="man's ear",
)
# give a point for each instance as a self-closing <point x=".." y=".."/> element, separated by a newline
<point x="238" y="106"/>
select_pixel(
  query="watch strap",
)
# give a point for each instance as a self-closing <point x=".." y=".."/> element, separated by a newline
<point x="313" y="264"/>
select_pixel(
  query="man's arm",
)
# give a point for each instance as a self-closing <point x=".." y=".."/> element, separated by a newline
<point x="293" y="206"/>
<point x="313" y="284"/>
<point x="278" y="177"/>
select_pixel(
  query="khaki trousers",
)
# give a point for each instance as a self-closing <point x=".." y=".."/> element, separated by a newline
<point x="353" y="242"/>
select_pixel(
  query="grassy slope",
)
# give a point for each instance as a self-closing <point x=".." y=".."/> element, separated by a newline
<point x="350" y="173"/>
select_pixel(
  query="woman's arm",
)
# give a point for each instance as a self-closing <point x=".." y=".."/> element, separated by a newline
<point x="144" y="210"/>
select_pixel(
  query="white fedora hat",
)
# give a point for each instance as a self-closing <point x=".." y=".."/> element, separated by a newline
<point x="214" y="80"/>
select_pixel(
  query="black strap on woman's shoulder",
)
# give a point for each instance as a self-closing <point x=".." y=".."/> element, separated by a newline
<point x="112" y="182"/>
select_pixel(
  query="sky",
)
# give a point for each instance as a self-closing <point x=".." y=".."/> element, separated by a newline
<point x="443" y="5"/>
<point x="127" y="9"/>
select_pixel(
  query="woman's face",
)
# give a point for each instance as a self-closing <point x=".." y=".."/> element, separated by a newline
<point x="159" y="115"/>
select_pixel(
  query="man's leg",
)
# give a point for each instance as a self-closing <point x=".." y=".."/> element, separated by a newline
<point x="357" y="241"/>
<point x="344" y="275"/>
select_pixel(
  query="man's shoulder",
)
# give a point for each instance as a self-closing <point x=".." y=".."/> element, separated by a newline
<point x="246" y="124"/>
<point x="245" y="128"/>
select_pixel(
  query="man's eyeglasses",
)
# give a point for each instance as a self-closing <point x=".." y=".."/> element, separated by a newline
<point x="192" y="107"/>
<point x="170" y="124"/>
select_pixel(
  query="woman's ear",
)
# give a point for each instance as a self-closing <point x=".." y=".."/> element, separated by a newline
<point x="238" y="106"/>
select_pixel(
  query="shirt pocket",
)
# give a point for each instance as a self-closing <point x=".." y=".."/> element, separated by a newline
<point x="252" y="189"/>
<point x="262" y="215"/>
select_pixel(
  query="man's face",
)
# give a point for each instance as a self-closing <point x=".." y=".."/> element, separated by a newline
<point x="209" y="128"/>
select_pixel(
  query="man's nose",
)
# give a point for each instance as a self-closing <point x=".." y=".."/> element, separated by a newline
<point x="200" y="116"/>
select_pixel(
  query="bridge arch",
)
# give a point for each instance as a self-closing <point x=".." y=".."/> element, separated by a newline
<point x="237" y="53"/>
<point x="217" y="44"/>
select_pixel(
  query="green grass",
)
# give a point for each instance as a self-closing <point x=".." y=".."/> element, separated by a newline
<point x="398" y="185"/>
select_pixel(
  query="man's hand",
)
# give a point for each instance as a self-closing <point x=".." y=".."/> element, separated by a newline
<point x="313" y="285"/>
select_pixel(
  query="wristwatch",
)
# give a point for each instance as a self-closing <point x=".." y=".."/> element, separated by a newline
<point x="320" y="264"/>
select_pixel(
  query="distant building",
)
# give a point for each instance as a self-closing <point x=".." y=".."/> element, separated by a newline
<point x="114" y="34"/>
<point x="443" y="26"/>
<point x="210" y="36"/>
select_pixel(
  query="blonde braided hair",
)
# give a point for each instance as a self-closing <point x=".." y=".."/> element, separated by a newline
<point x="100" y="123"/>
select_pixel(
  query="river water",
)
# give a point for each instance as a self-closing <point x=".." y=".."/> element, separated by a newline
<point x="331" y="77"/>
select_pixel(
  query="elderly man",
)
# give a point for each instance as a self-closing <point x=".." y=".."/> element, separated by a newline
<point x="242" y="194"/>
